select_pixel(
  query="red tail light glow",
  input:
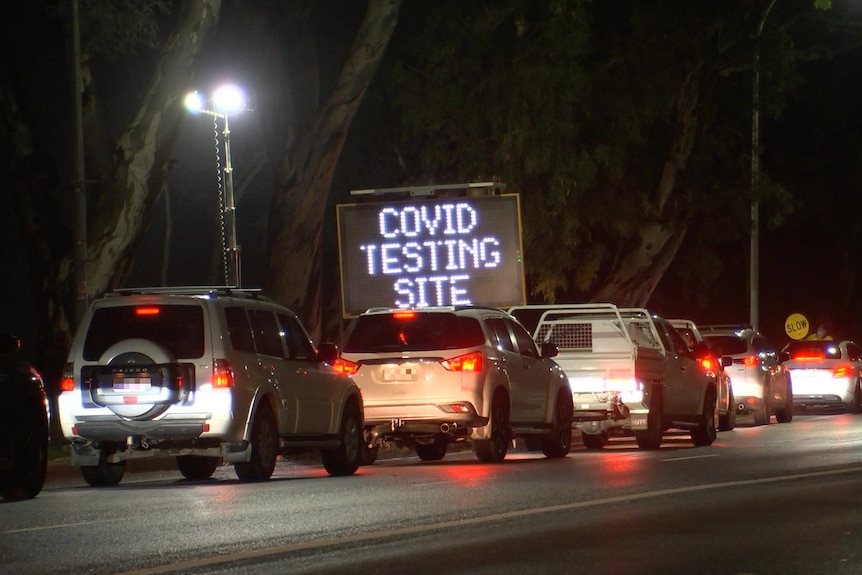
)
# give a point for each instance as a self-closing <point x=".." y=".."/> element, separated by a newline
<point x="149" y="310"/>
<point x="67" y="381"/>
<point x="467" y="362"/>
<point x="751" y="361"/>
<point x="843" y="371"/>
<point x="809" y="356"/>
<point x="223" y="377"/>
<point x="708" y="363"/>
<point x="404" y="315"/>
<point x="346" y="367"/>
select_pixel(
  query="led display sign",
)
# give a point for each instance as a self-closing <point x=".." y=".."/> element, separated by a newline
<point x="431" y="252"/>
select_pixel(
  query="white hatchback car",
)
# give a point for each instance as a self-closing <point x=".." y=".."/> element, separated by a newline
<point x="435" y="376"/>
<point x="825" y="373"/>
<point x="762" y="386"/>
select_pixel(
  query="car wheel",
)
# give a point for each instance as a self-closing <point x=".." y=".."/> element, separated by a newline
<point x="197" y="467"/>
<point x="434" y="451"/>
<point x="494" y="450"/>
<point x="558" y="443"/>
<point x="727" y="421"/>
<point x="856" y="405"/>
<point x="651" y="437"/>
<point x="344" y="459"/>
<point x="785" y="415"/>
<point x="595" y="441"/>
<point x="104" y="474"/>
<point x="264" y="448"/>
<point x="705" y="432"/>
<point x="29" y="457"/>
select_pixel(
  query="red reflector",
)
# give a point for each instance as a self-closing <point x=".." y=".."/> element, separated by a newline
<point x="467" y="362"/>
<point x="708" y="363"/>
<point x="67" y="384"/>
<point x="404" y="315"/>
<point x="751" y="360"/>
<point x="130" y="399"/>
<point x="146" y="311"/>
<point x="206" y="427"/>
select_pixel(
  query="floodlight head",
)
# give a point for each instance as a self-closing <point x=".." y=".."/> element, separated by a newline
<point x="229" y="99"/>
<point x="194" y="102"/>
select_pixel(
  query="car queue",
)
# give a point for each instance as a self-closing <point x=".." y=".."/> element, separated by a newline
<point x="207" y="376"/>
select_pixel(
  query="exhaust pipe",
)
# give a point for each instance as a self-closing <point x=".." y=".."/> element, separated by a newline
<point x="447" y="427"/>
<point x="740" y="407"/>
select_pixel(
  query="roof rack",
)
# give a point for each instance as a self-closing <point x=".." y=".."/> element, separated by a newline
<point x="724" y="327"/>
<point x="230" y="291"/>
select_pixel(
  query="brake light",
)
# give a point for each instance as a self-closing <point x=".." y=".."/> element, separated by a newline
<point x="67" y="382"/>
<point x="751" y="360"/>
<point x="708" y="363"/>
<point x="223" y="376"/>
<point x="467" y="362"/>
<point x="404" y="315"/>
<point x="804" y="356"/>
<point x="842" y="371"/>
<point x="149" y="310"/>
<point x="344" y="366"/>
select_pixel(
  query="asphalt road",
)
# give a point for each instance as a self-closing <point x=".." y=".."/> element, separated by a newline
<point x="777" y="499"/>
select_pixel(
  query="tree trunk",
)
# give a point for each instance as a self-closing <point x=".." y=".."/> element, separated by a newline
<point x="636" y="274"/>
<point x="299" y="206"/>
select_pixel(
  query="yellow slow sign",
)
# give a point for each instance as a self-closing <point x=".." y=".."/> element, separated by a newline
<point x="796" y="326"/>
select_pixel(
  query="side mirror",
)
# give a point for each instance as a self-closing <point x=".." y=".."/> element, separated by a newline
<point x="327" y="352"/>
<point x="783" y="356"/>
<point x="9" y="344"/>
<point x="550" y="349"/>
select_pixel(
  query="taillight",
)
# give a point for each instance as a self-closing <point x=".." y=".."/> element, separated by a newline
<point x="67" y="382"/>
<point x="222" y="374"/>
<point x="843" y="371"/>
<point x="344" y="366"/>
<point x="809" y="356"/>
<point x="146" y="310"/>
<point x="467" y="362"/>
<point x="751" y="361"/>
<point x="404" y="315"/>
<point x="708" y="363"/>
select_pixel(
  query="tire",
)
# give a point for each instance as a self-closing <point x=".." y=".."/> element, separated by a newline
<point x="368" y="455"/>
<point x="856" y="405"/>
<point x="264" y="448"/>
<point x="728" y="421"/>
<point x="197" y="467"/>
<point x="29" y="456"/>
<point x="785" y="415"/>
<point x="434" y="451"/>
<point x="344" y="459"/>
<point x="705" y="433"/>
<point x="494" y="450"/>
<point x="104" y="474"/>
<point x="651" y="437"/>
<point x="597" y="441"/>
<point x="558" y="443"/>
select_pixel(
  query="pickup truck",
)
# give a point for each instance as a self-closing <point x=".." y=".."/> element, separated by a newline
<point x="630" y="372"/>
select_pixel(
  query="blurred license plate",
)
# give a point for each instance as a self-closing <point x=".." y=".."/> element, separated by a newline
<point x="132" y="384"/>
<point x="400" y="373"/>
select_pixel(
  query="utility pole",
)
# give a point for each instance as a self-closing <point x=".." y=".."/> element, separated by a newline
<point x="79" y="189"/>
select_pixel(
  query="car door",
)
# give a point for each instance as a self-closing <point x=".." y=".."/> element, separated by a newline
<point x="311" y="387"/>
<point x="685" y="379"/>
<point x="527" y="376"/>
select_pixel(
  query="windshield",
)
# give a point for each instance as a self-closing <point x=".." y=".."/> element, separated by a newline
<point x="812" y="349"/>
<point x="727" y="344"/>
<point x="413" y="332"/>
<point x="177" y="328"/>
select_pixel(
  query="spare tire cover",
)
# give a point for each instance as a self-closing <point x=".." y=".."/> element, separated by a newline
<point x="137" y="351"/>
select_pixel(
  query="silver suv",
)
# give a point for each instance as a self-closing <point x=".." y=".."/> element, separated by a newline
<point x="761" y="385"/>
<point x="435" y="376"/>
<point x="204" y="375"/>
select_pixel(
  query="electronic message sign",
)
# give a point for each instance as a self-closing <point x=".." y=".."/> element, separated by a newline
<point x="431" y="252"/>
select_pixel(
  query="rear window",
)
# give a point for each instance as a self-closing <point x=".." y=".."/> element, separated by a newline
<point x="814" y="349"/>
<point x="727" y="344"/>
<point x="380" y="333"/>
<point x="177" y="328"/>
